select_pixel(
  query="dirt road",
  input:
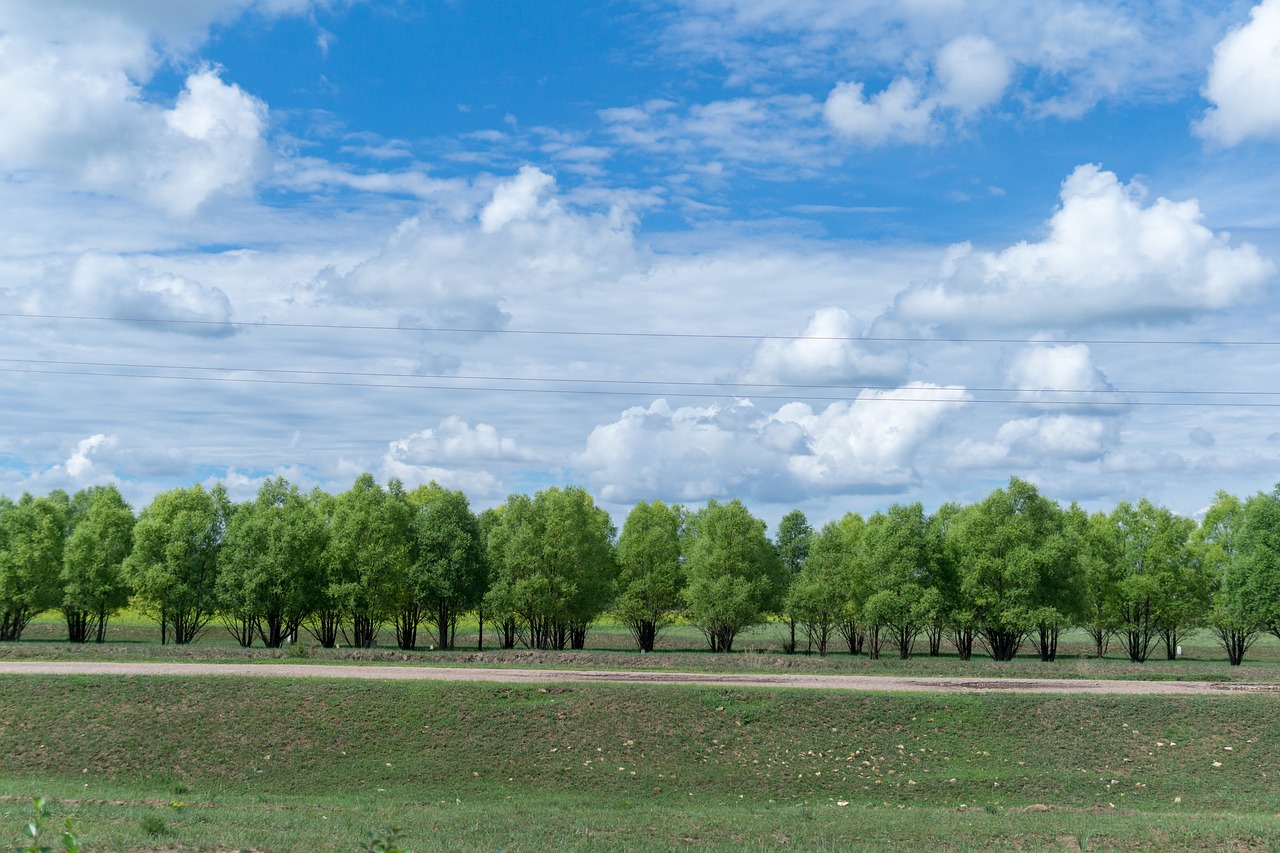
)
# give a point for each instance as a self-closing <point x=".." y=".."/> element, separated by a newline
<point x="547" y="676"/>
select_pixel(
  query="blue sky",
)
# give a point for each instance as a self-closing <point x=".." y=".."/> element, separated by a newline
<point x="808" y="254"/>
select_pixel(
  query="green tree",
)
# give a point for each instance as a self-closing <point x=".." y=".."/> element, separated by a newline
<point x="955" y="618"/>
<point x="819" y="597"/>
<point x="94" y="587"/>
<point x="1159" y="591"/>
<point x="904" y="597"/>
<point x="846" y="547"/>
<point x="651" y="576"/>
<point x="793" y="540"/>
<point x="1240" y="544"/>
<point x="555" y="565"/>
<point x="1260" y="547"/>
<point x="32" y="535"/>
<point x="270" y="572"/>
<point x="735" y="576"/>
<point x="173" y="566"/>
<point x="1006" y="545"/>
<point x="447" y="574"/>
<point x="1099" y="570"/>
<point x="1216" y="544"/>
<point x="325" y="617"/>
<point x="368" y="549"/>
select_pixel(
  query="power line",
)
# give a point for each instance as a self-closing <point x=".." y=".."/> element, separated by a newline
<point x="597" y="381"/>
<point x="235" y="324"/>
<point x="650" y="393"/>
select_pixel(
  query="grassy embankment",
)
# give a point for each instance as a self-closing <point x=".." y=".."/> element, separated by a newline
<point x="221" y="763"/>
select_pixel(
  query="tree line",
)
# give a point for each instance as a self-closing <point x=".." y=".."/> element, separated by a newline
<point x="1011" y="571"/>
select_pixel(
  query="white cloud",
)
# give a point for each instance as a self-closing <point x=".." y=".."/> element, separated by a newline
<point x="866" y="446"/>
<point x="824" y="354"/>
<point x="214" y="144"/>
<point x="81" y="466"/>
<point x="1244" y="81"/>
<point x="72" y="105"/>
<point x="972" y="72"/>
<point x="112" y="286"/>
<point x="454" y="454"/>
<point x="1042" y="372"/>
<point x="519" y="198"/>
<point x="1029" y="441"/>
<point x="869" y="444"/>
<point x="898" y="114"/>
<point x="459" y="269"/>
<point x="1079" y="52"/>
<point x="1107" y="256"/>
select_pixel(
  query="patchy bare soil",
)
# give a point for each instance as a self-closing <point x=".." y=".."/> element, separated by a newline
<point x="544" y="676"/>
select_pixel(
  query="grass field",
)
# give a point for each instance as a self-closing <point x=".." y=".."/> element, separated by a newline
<point x="222" y="763"/>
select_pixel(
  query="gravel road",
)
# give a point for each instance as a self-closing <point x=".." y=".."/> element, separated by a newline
<point x="559" y="676"/>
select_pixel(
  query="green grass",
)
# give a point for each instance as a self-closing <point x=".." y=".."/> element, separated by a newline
<point x="313" y="764"/>
<point x="682" y="649"/>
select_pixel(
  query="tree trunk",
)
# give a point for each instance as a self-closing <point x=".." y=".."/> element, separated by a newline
<point x="241" y="627"/>
<point x="101" y="634"/>
<point x="323" y="625"/>
<point x="962" y="639"/>
<point x="1047" y="643"/>
<point x="875" y="642"/>
<point x="78" y="625"/>
<point x="364" y="631"/>
<point x="1002" y="643"/>
<point x="934" y="633"/>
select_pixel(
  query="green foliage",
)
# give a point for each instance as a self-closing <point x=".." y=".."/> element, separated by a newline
<point x="34" y="830"/>
<point x="94" y="585"/>
<point x="899" y="564"/>
<point x="366" y="555"/>
<point x="793" y="541"/>
<point x="1162" y="590"/>
<point x="735" y="576"/>
<point x="447" y="573"/>
<point x="382" y="841"/>
<point x="173" y="566"/>
<point x="819" y="598"/>
<point x="651" y="576"/>
<point x="270" y="571"/>
<point x="554" y="565"/>
<point x="32" y="533"/>
<point x="1009" y="547"/>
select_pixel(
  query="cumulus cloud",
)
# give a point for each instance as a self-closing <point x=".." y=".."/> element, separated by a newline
<point x="72" y="104"/>
<point x="1244" y="81"/>
<point x="972" y="73"/>
<point x="1107" y="256"/>
<point x="78" y="114"/>
<point x="692" y="453"/>
<point x="522" y="240"/>
<point x="519" y="198"/>
<point x="81" y="466"/>
<point x="112" y="286"/>
<point x="1030" y="441"/>
<point x="1051" y="375"/>
<point x="455" y="454"/>
<point x="826" y="353"/>
<point x="897" y="114"/>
